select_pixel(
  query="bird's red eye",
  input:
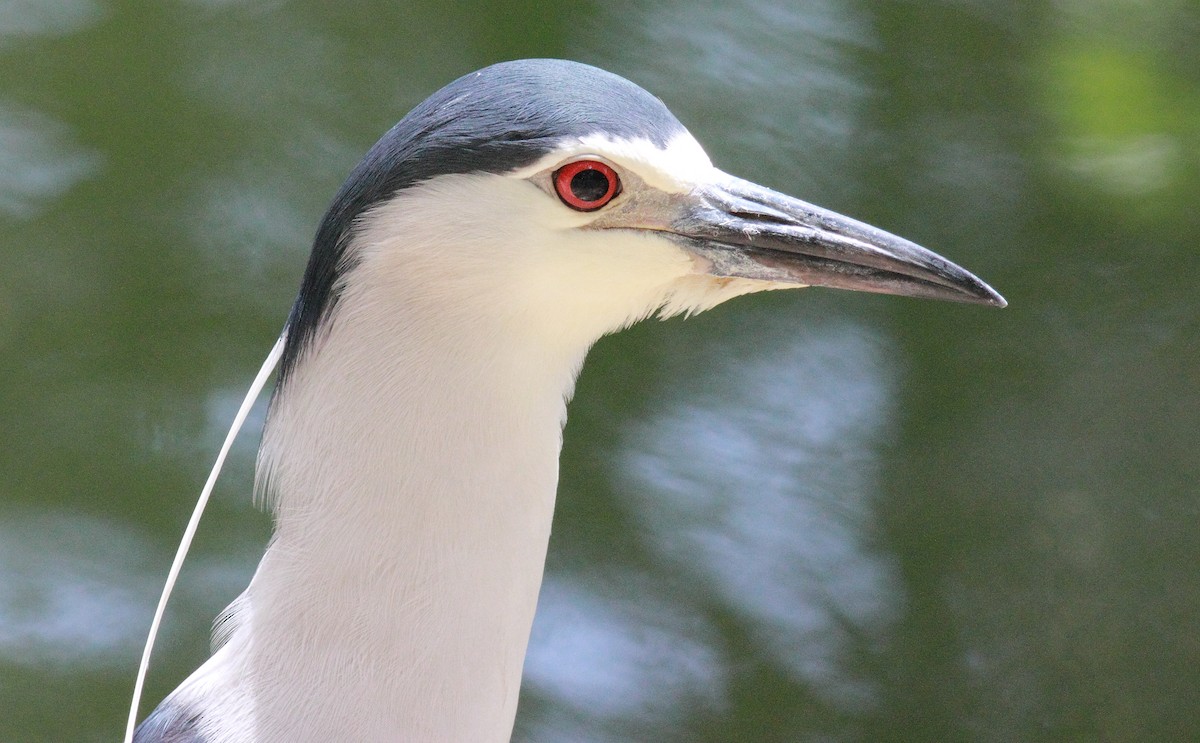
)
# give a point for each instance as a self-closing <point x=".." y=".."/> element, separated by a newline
<point x="586" y="185"/>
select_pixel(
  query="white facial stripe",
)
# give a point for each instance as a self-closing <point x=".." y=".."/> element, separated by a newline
<point x="678" y="168"/>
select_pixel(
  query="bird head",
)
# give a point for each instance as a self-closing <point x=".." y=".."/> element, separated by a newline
<point x="571" y="201"/>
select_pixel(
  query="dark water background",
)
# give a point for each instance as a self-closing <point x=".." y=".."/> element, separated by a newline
<point x="809" y="516"/>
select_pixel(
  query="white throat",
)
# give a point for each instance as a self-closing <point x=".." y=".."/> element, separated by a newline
<point x="413" y="505"/>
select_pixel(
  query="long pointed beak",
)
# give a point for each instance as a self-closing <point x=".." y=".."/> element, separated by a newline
<point x="745" y="230"/>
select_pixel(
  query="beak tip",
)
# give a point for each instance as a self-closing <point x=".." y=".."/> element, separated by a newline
<point x="990" y="297"/>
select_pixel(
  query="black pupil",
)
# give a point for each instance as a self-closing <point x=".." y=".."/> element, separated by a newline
<point x="589" y="185"/>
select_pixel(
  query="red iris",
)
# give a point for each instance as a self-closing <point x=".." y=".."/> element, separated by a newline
<point x="586" y="185"/>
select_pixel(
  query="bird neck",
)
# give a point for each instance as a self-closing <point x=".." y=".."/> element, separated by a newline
<point x="411" y="460"/>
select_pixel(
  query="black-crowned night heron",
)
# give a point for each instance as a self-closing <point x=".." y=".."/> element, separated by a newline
<point x="410" y="454"/>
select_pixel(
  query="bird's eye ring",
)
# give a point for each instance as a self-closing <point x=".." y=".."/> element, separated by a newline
<point x="586" y="185"/>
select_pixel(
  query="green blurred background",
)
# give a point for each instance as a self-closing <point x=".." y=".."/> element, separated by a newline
<point x="808" y="516"/>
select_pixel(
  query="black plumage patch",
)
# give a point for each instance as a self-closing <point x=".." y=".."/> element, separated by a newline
<point x="494" y="120"/>
<point x="170" y="722"/>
